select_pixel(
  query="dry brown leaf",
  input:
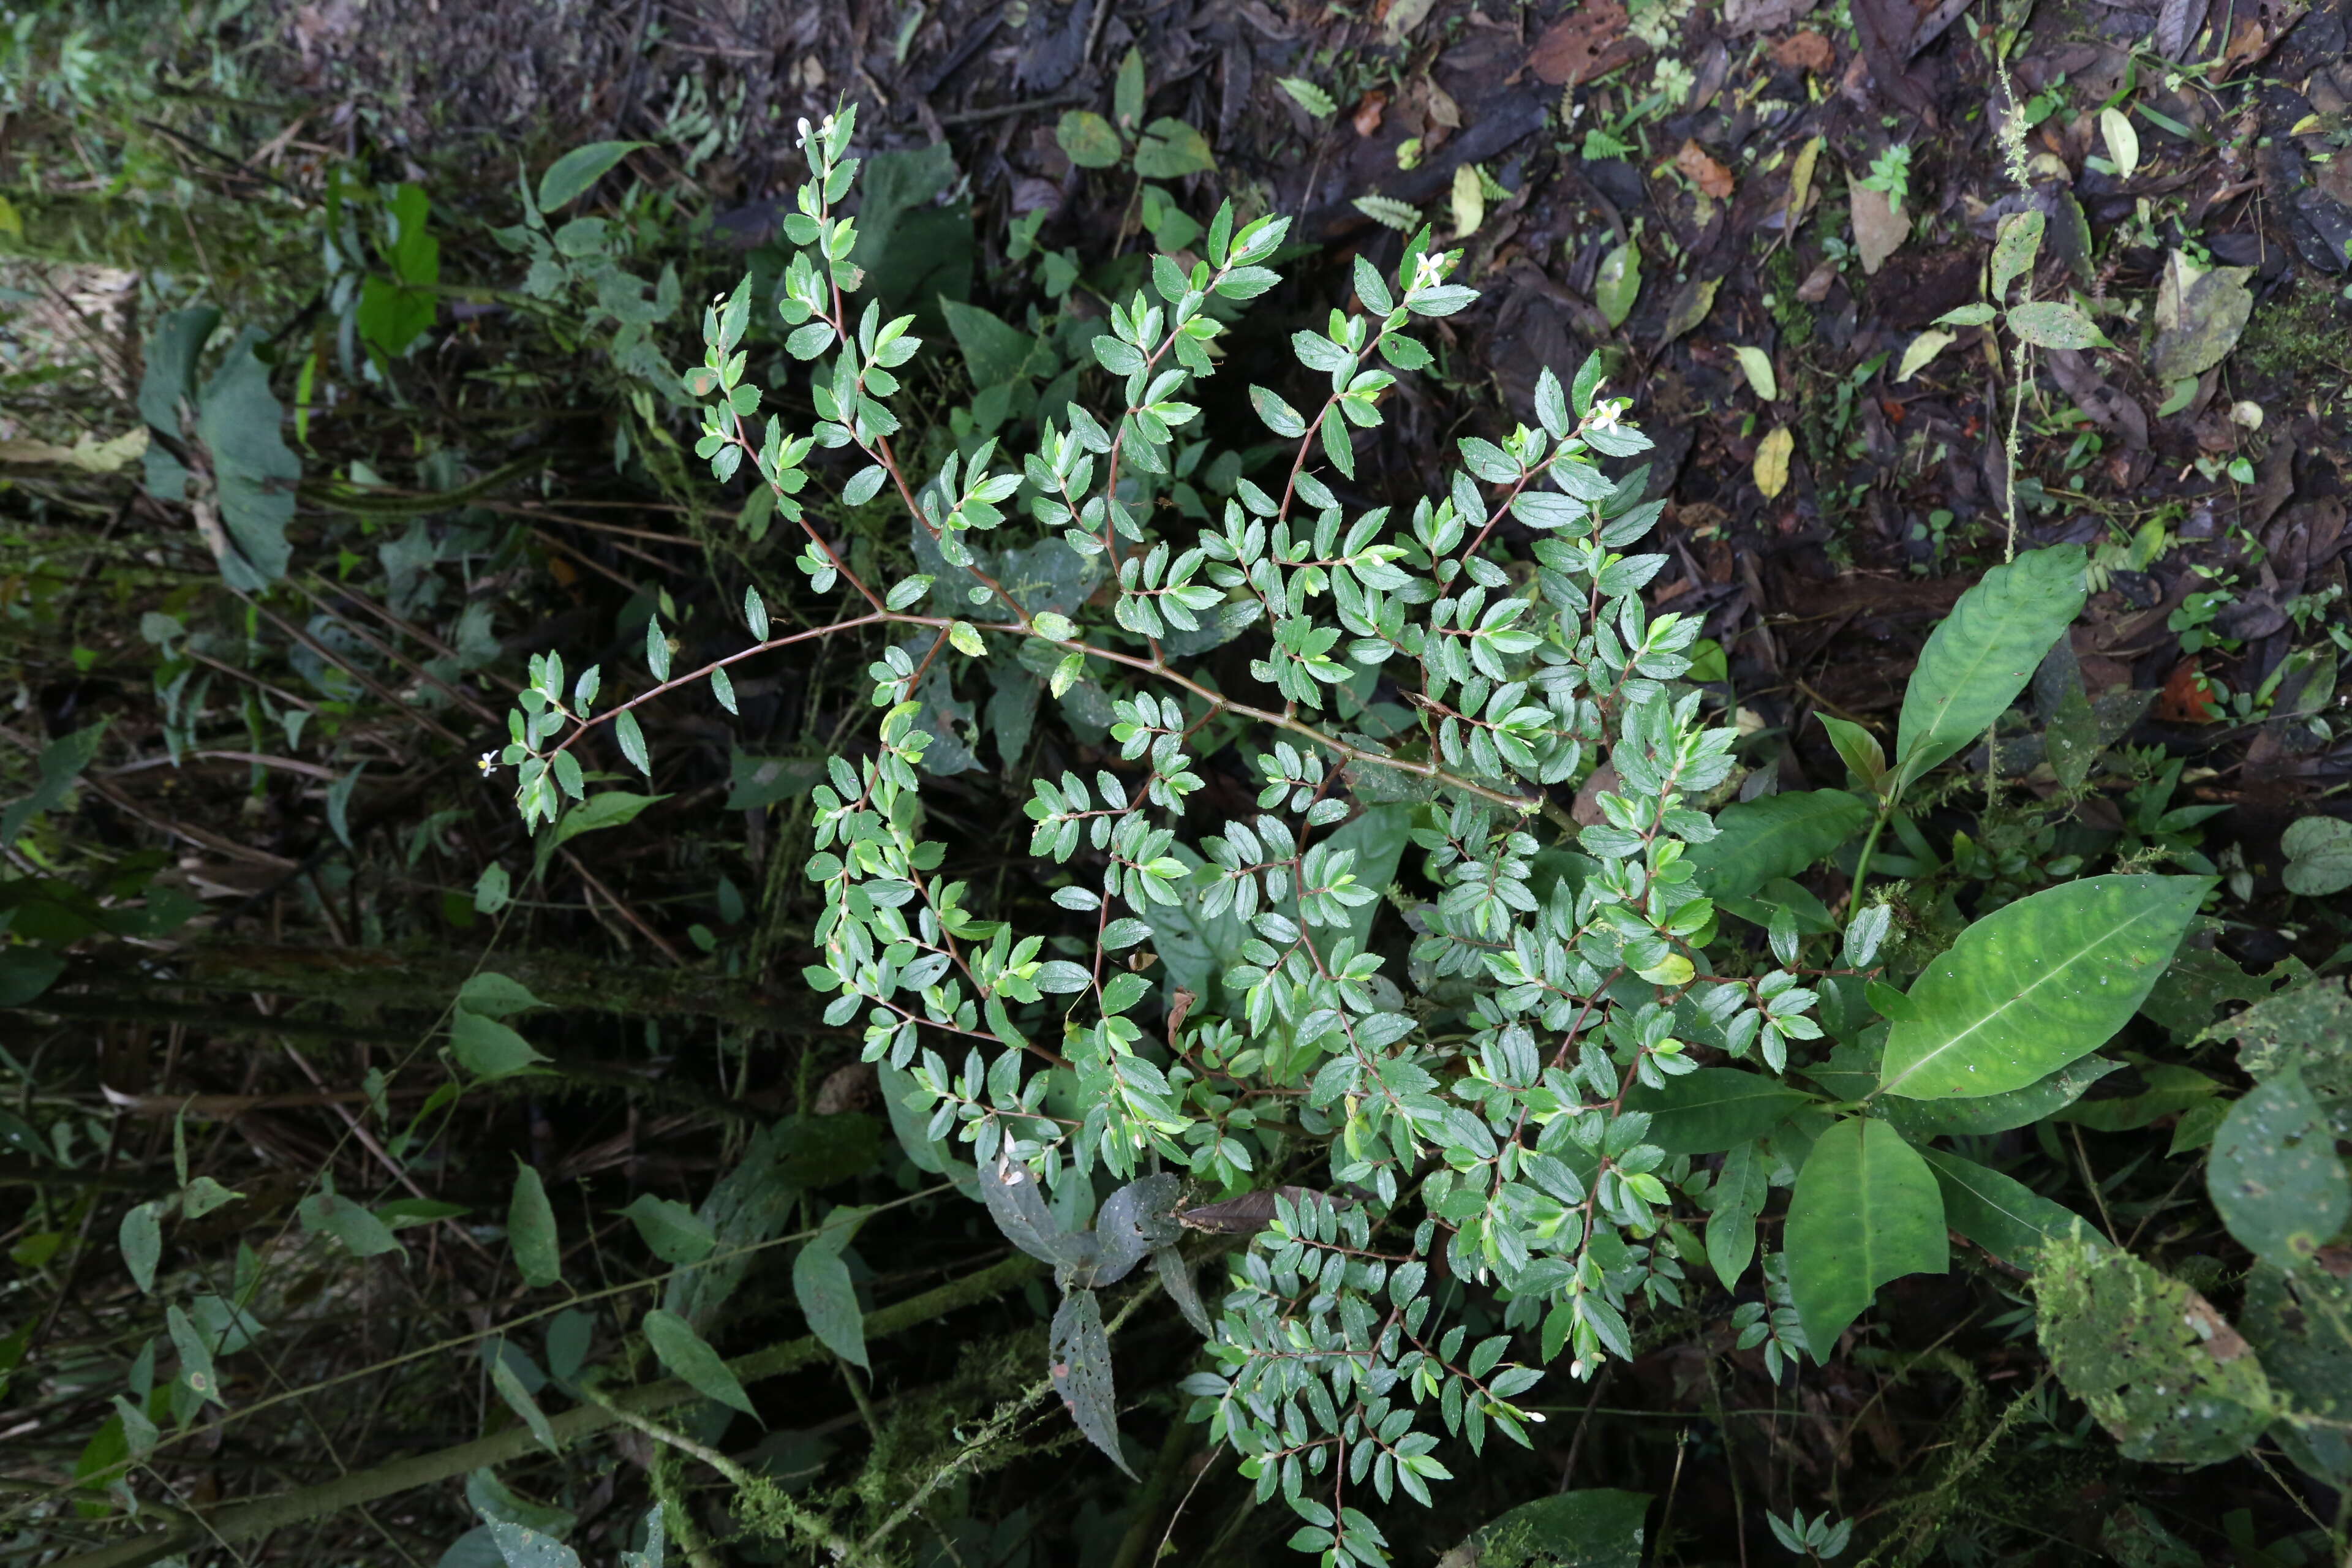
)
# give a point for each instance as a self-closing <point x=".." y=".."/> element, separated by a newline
<point x="1572" y="49"/>
<point x="1880" y="227"/>
<point x="1704" y="172"/>
<point x="1368" y="111"/>
<point x="1807" y="50"/>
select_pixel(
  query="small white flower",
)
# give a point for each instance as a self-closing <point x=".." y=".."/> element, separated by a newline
<point x="1604" y="415"/>
<point x="488" y="764"/>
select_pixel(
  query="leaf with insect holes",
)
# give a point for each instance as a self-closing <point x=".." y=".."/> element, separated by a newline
<point x="2013" y="251"/>
<point x="2055" y="324"/>
<point x="530" y="1230"/>
<point x="1079" y="1350"/>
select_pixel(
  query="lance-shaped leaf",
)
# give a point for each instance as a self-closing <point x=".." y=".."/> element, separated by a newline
<point x="1866" y="1210"/>
<point x="510" y="1388"/>
<point x="1981" y="655"/>
<point x="828" y="1298"/>
<point x="1081" y="1371"/>
<point x="2037" y="984"/>
<point x="530" y="1230"/>
<point x="2004" y="1217"/>
<point x="1010" y="1193"/>
<point x="685" y="1355"/>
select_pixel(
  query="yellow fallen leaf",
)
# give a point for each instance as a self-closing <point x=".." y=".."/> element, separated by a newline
<point x="1469" y="202"/>
<point x="1924" y="347"/>
<point x="1772" y="454"/>
<point x="1757" y="367"/>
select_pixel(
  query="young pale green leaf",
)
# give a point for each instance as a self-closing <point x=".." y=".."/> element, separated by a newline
<point x="672" y="1231"/>
<point x="573" y="173"/>
<point x="822" y="1284"/>
<point x="1859" y="747"/>
<point x="1981" y="655"/>
<point x="2004" y="1217"/>
<point x="1170" y="149"/>
<point x="1756" y="365"/>
<point x="1866" y="1210"/>
<point x="686" y="1355"/>
<point x="2123" y="142"/>
<point x="1714" y="1109"/>
<point x="2036" y="985"/>
<point x="518" y="1399"/>
<point x="1777" y="835"/>
<point x="488" y="1048"/>
<point x="1922" y="350"/>
<point x="141" y="1236"/>
<point x="496" y="996"/>
<point x="2276" y="1176"/>
<point x="530" y="1230"/>
<point x="1127" y="93"/>
<point x="1308" y="96"/>
<point x="1618" y="284"/>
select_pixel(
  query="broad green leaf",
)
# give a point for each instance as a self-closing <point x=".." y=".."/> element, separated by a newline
<point x="913" y="1129"/>
<point x="672" y="1231"/>
<point x="2123" y="142"/>
<point x="141" y="1235"/>
<point x="993" y="351"/>
<point x="2199" y="316"/>
<point x="495" y="995"/>
<point x="492" y="888"/>
<point x="1982" y="655"/>
<point x="2006" y="1218"/>
<point x="1618" y="284"/>
<point x="1920" y="1120"/>
<point x="2167" y="1089"/>
<point x="822" y="1284"/>
<point x="577" y="170"/>
<point x="1857" y="747"/>
<point x="1866" y="1210"/>
<point x="204" y="1194"/>
<point x="196" y="1356"/>
<point x="2297" y="1324"/>
<point x="1169" y="150"/>
<point x="239" y="423"/>
<point x="1087" y="139"/>
<point x="2318" y="857"/>
<point x="349" y="1223"/>
<point x="1593" y="1529"/>
<point x="518" y="1399"/>
<point x="2163" y="1372"/>
<point x="684" y="1353"/>
<point x="1128" y="92"/>
<point x="611" y="808"/>
<point x="1733" y="1202"/>
<point x="2036" y="985"/>
<point x="1078" y="1351"/>
<point x="1777" y="836"/>
<point x="657" y="1542"/>
<point x="488" y="1048"/>
<point x="2274" y="1174"/>
<point x="1714" y="1109"/>
<point x="530" y="1230"/>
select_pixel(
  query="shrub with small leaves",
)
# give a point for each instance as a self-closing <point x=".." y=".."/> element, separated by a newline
<point x="1444" y="1053"/>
